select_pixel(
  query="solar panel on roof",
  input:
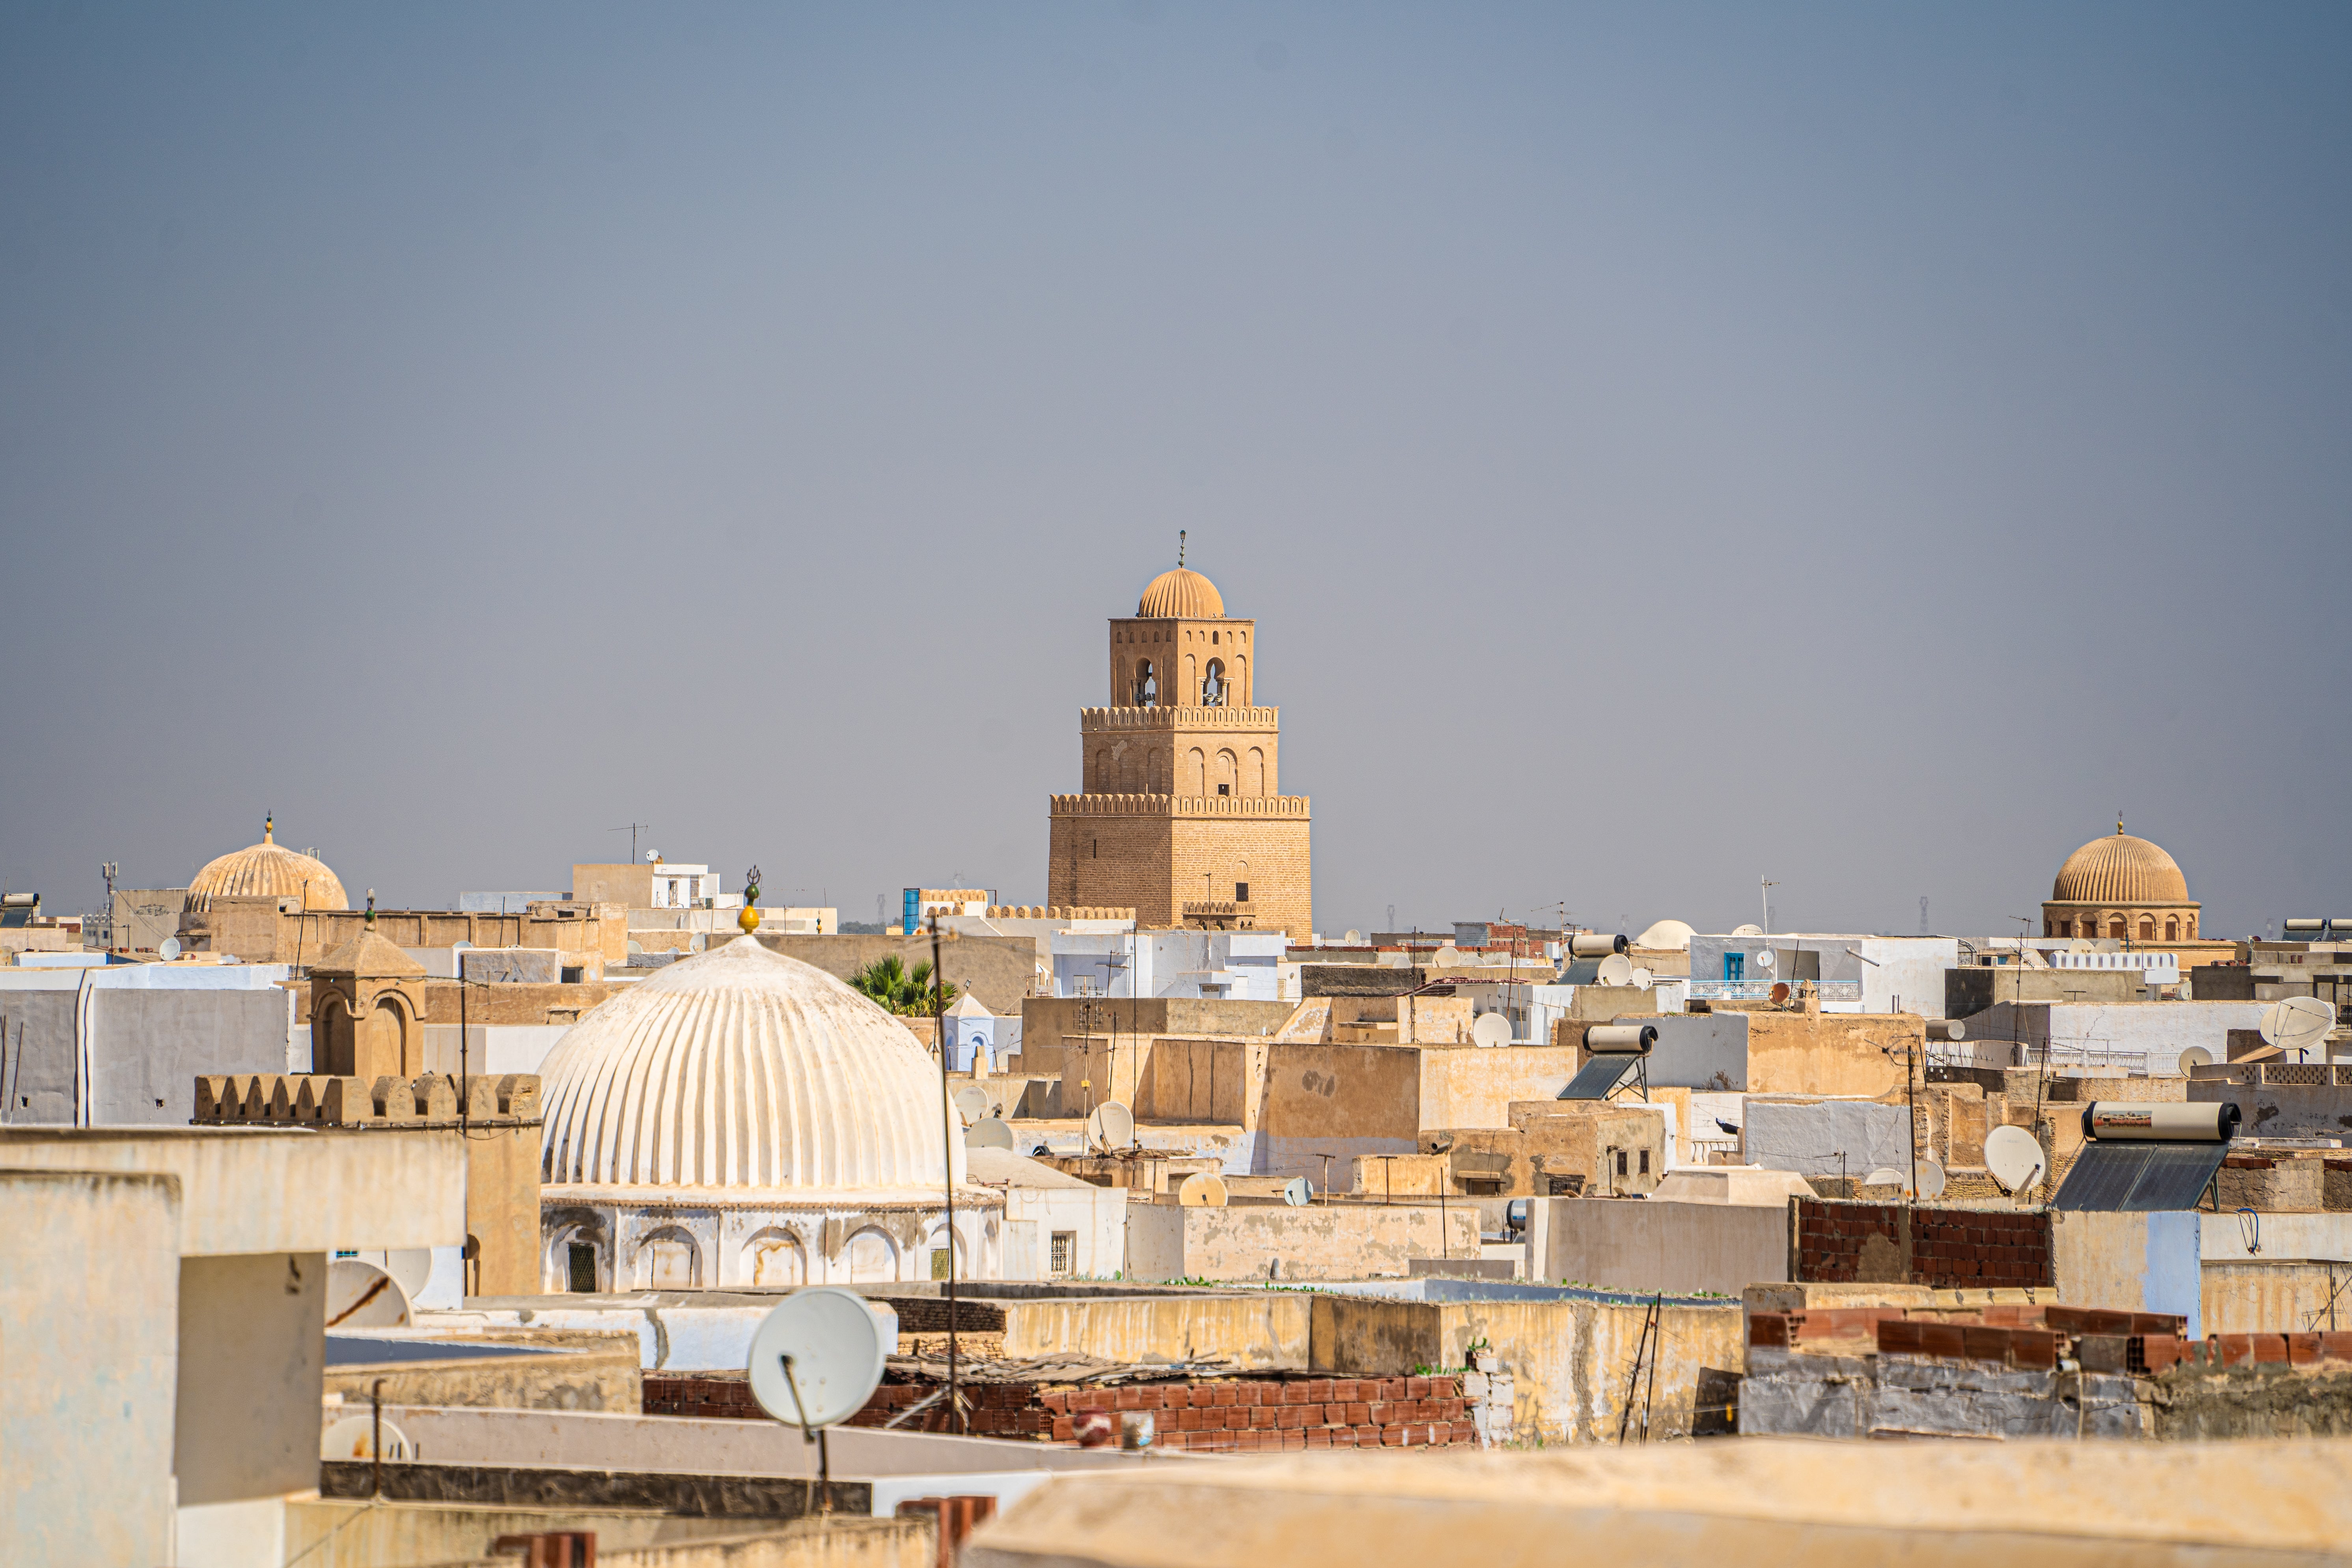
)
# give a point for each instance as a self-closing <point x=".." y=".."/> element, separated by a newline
<point x="2140" y="1178"/>
<point x="1599" y="1078"/>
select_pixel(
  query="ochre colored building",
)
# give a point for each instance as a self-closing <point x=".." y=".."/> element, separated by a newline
<point x="1181" y="815"/>
<point x="2123" y="888"/>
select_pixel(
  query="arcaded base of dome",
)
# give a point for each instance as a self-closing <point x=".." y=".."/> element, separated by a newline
<point x="721" y="1239"/>
<point x="2115" y="920"/>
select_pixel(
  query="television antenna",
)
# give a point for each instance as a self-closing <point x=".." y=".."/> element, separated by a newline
<point x="1764" y="897"/>
<point x="632" y="829"/>
<point x="814" y="1362"/>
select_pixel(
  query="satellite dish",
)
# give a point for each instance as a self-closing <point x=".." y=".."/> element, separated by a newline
<point x="361" y="1296"/>
<point x="169" y="950"/>
<point x="1203" y="1190"/>
<point x="1110" y="1126"/>
<point x="461" y="945"/>
<point x="1615" y="970"/>
<point x="988" y="1132"/>
<point x="1779" y="993"/>
<point x="1491" y="1029"/>
<point x="410" y="1267"/>
<point x="817" y="1358"/>
<point x="2013" y="1158"/>
<point x="1766" y="958"/>
<point x="1931" y="1179"/>
<point x="353" y="1438"/>
<point x="1445" y="957"/>
<point x="2192" y="1059"/>
<point x="971" y="1103"/>
<point x="1298" y="1193"/>
<point x="2298" y="1023"/>
<point x="1353" y="937"/>
<point x="1750" y="930"/>
<point x="636" y="946"/>
<point x="1643" y="979"/>
<point x="1884" y="1176"/>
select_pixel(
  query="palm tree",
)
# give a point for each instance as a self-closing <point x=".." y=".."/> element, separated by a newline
<point x="895" y="988"/>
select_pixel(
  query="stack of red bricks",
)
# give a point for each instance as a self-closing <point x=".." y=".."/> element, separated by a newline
<point x="2160" y="1352"/>
<point x="1224" y="1414"/>
<point x="2035" y="1337"/>
<point x="1947" y="1249"/>
<point x="1273" y="1416"/>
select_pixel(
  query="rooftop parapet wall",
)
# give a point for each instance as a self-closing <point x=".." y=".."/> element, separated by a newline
<point x="1180" y="805"/>
<point x="1096" y="719"/>
<point x="318" y="1099"/>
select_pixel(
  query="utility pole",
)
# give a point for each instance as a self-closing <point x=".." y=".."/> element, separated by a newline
<point x="632" y="829"/>
<point x="1764" y="897"/>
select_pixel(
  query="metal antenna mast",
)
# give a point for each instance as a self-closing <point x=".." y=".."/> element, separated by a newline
<point x="632" y="830"/>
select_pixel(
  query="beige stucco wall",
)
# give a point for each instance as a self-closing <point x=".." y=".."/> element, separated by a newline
<point x="1831" y="1052"/>
<point x="89" y="1326"/>
<point x="1471" y="1086"/>
<point x="1321" y="1241"/>
<point x="1678" y="1247"/>
<point x="252" y="1341"/>
<point x="2286" y="1297"/>
<point x="1259" y="1332"/>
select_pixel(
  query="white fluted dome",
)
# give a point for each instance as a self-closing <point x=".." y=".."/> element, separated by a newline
<point x="741" y="1067"/>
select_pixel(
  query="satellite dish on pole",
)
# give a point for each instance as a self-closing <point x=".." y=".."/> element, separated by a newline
<point x="988" y="1132"/>
<point x="2298" y="1023"/>
<point x="169" y="949"/>
<point x="1491" y="1029"/>
<point x="1298" y="1193"/>
<point x="971" y="1103"/>
<point x="1931" y="1179"/>
<point x="1203" y="1190"/>
<point x="815" y="1360"/>
<point x="2013" y="1158"/>
<point x="1110" y="1126"/>
<point x="1642" y="979"/>
<point x="353" y="1438"/>
<point x="1779" y="993"/>
<point x="361" y="1296"/>
<point x="1766" y="959"/>
<point x="1615" y="970"/>
<point x="2192" y="1059"/>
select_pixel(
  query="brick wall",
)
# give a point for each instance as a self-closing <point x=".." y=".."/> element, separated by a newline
<point x="1848" y="1243"/>
<point x="1270" y="1415"/>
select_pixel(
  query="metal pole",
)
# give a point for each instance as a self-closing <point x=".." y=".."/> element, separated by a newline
<point x="375" y="1439"/>
<point x="947" y="1129"/>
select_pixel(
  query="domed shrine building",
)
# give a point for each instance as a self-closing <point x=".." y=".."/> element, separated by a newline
<point x="2125" y="889"/>
<point x="744" y="1119"/>
<point x="1182" y="816"/>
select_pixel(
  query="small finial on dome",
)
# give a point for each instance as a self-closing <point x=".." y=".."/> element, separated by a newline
<point x="1180" y="548"/>
<point x="2119" y="819"/>
<point x="371" y="910"/>
<point x="269" y="828"/>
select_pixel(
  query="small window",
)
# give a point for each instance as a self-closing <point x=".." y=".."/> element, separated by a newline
<point x="1241" y="893"/>
<point x="582" y="1260"/>
<point x="1645" y="1161"/>
<point x="940" y="1260"/>
<point x="1621" y="1161"/>
<point x="1224" y="789"/>
<point x="1065" y="1248"/>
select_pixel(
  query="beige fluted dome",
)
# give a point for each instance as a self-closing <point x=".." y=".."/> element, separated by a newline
<point x="1182" y="595"/>
<point x="268" y="870"/>
<point x="2119" y="869"/>
<point x="741" y="1067"/>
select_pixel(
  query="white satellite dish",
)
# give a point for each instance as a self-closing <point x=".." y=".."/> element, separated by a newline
<point x="971" y="1103"/>
<point x="1110" y="1126"/>
<point x="1931" y="1179"/>
<point x="361" y="1296"/>
<point x="410" y="1267"/>
<point x="1298" y="1193"/>
<point x="353" y="1438"/>
<point x="1614" y="970"/>
<point x="1643" y="979"/>
<point x="2013" y="1158"/>
<point x="169" y="949"/>
<point x="988" y="1132"/>
<point x="1353" y="937"/>
<point x="1491" y="1029"/>
<point x="817" y="1358"/>
<point x="2298" y="1023"/>
<point x="1202" y="1190"/>
<point x="1884" y="1176"/>
<point x="1751" y="929"/>
<point x="1767" y="960"/>
<point x="461" y="945"/>
<point x="1445" y="958"/>
<point x="2192" y="1059"/>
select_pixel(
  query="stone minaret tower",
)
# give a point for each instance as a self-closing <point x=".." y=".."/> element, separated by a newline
<point x="1182" y="817"/>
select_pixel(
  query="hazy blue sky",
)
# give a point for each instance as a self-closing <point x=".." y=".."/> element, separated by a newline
<point x="1661" y="446"/>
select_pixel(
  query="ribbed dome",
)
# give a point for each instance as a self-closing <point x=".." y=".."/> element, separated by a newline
<point x="1182" y="595"/>
<point x="2119" y="869"/>
<point x="741" y="1067"/>
<point x="268" y="870"/>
